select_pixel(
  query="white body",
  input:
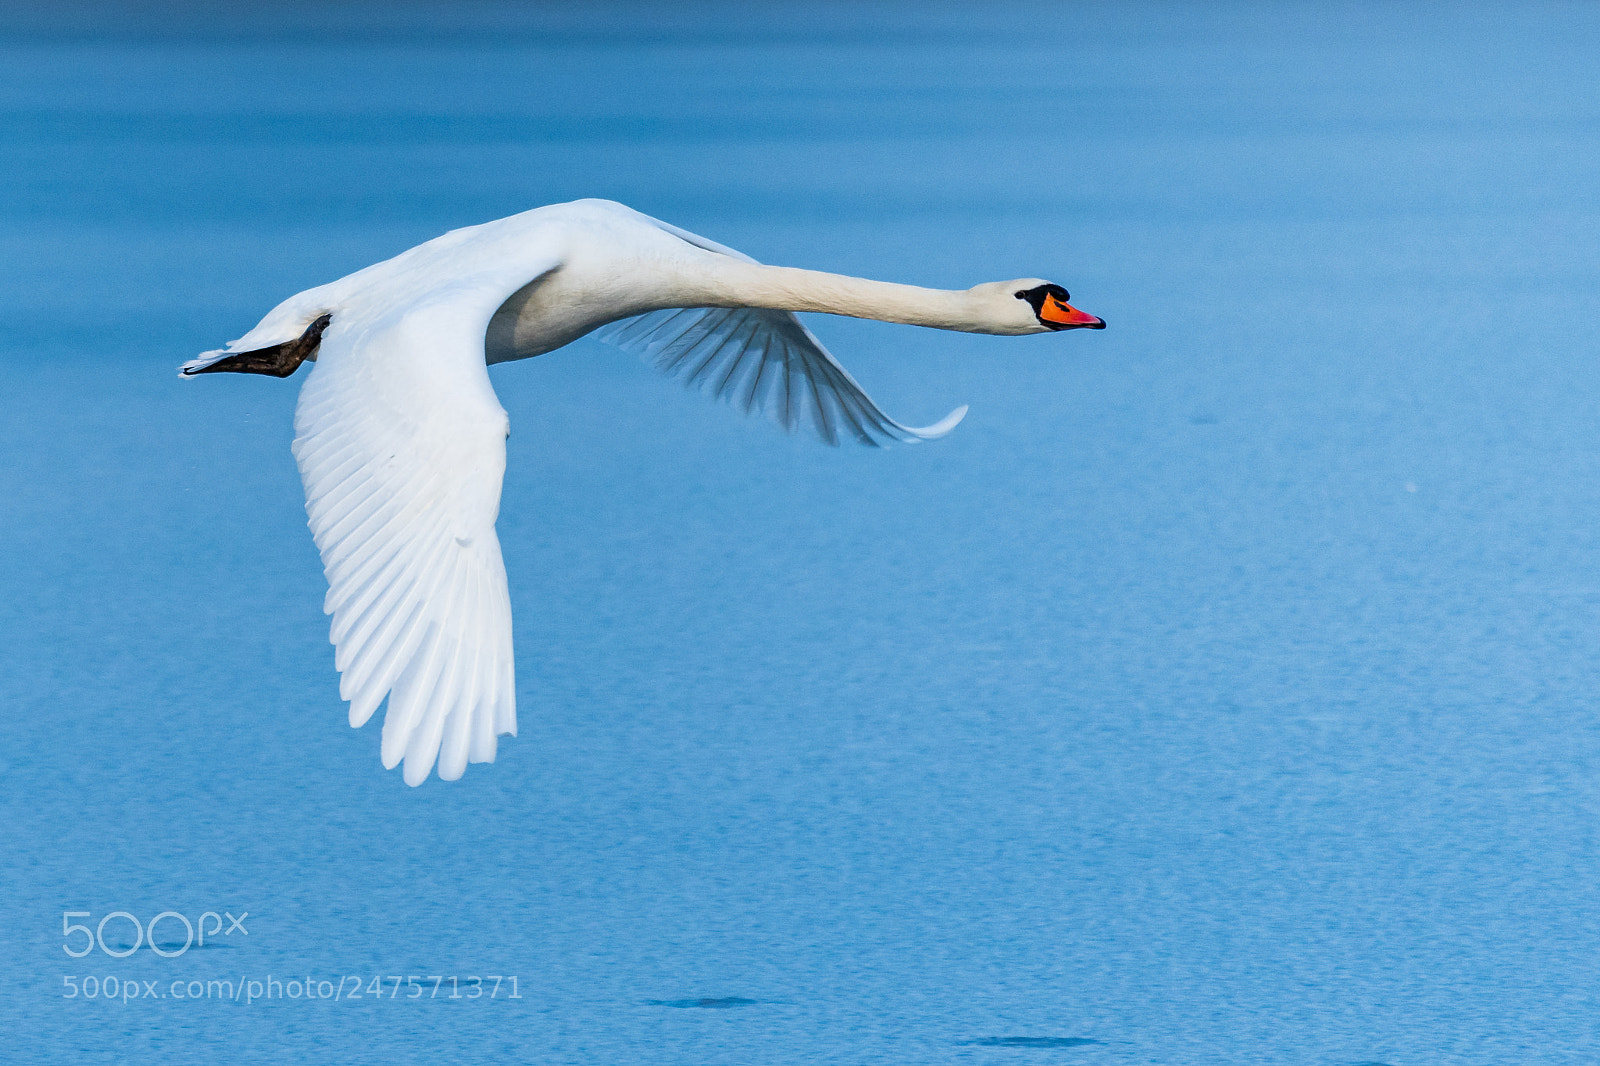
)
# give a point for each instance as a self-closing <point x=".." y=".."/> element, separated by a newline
<point x="401" y="442"/>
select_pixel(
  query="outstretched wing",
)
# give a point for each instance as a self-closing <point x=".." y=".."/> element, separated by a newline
<point x="401" y="446"/>
<point x="762" y="360"/>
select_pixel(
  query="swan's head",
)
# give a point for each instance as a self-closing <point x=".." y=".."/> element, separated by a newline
<point x="1032" y="305"/>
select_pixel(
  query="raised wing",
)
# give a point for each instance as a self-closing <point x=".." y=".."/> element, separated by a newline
<point x="401" y="448"/>
<point x="762" y="360"/>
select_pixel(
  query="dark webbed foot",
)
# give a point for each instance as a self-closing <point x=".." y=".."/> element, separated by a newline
<point x="280" y="360"/>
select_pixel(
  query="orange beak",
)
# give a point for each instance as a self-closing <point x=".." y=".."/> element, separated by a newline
<point x="1065" y="316"/>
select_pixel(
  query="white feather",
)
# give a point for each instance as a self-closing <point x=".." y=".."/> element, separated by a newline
<point x="402" y="478"/>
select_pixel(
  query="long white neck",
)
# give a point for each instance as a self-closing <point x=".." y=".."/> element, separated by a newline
<point x="728" y="282"/>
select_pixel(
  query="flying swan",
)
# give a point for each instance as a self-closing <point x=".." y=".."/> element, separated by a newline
<point x="401" y="442"/>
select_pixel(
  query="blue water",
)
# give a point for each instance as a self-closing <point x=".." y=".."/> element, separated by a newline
<point x="1224" y="690"/>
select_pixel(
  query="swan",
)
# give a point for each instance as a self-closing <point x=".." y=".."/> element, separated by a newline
<point x="400" y="439"/>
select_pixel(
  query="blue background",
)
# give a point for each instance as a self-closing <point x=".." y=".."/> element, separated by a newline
<point x="1222" y="690"/>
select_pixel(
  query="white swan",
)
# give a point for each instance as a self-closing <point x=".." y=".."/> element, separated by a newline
<point x="401" y="441"/>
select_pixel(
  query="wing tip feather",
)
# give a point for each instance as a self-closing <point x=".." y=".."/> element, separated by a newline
<point x="938" y="429"/>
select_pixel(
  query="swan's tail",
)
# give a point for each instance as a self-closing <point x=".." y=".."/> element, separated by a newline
<point x="201" y="362"/>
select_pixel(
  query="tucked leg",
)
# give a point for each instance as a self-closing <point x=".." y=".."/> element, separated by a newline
<point x="280" y="360"/>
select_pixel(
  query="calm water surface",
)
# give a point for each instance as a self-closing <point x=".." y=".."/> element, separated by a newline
<point x="1224" y="690"/>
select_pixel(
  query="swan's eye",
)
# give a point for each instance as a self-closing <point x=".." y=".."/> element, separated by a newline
<point x="1020" y="294"/>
